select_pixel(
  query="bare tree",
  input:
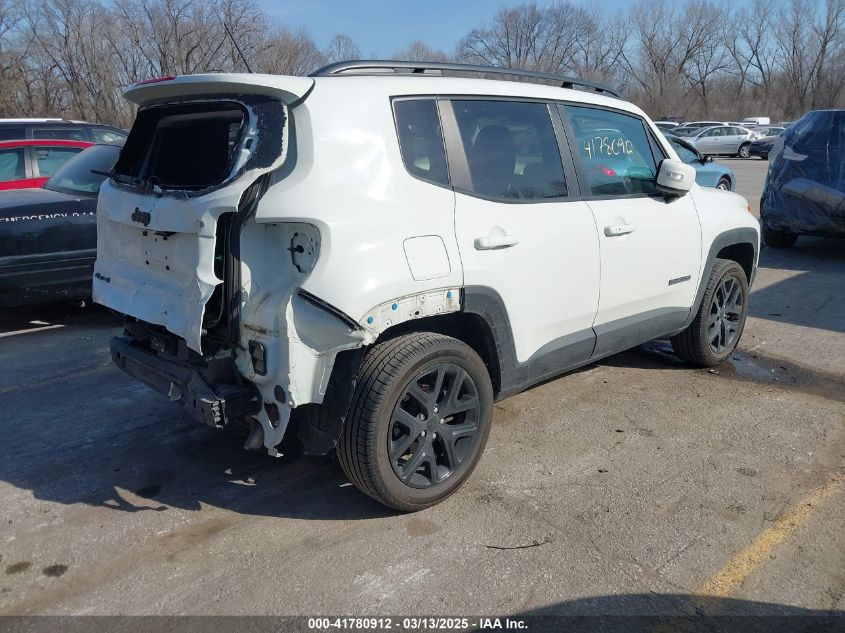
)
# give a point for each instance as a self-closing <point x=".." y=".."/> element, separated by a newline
<point x="341" y="48"/>
<point x="420" y="52"/>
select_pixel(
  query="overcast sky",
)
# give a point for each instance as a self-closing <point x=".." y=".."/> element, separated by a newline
<point x="382" y="27"/>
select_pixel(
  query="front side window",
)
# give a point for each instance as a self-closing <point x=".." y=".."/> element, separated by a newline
<point x="613" y="149"/>
<point x="420" y="139"/>
<point x="511" y="149"/>
<point x="49" y="159"/>
<point x="11" y="165"/>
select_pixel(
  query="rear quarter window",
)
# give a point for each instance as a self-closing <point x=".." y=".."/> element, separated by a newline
<point x="421" y="139"/>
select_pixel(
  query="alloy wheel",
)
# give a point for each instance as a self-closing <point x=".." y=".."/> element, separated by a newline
<point x="725" y="315"/>
<point x="433" y="425"/>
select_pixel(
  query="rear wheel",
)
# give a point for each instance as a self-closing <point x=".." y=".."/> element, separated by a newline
<point x="778" y="239"/>
<point x="745" y="150"/>
<point x="418" y="422"/>
<point x="717" y="328"/>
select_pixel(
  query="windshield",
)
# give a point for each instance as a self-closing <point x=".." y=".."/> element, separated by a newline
<point x="76" y="176"/>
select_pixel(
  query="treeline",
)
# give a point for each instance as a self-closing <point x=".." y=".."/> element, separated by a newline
<point x="698" y="59"/>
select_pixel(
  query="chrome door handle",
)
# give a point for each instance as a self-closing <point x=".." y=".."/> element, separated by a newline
<point x="491" y="242"/>
<point x="615" y="230"/>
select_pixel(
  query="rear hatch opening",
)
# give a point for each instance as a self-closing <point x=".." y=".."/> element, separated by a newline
<point x="188" y="147"/>
<point x="169" y="219"/>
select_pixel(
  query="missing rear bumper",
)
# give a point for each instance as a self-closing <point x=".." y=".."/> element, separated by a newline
<point x="215" y="405"/>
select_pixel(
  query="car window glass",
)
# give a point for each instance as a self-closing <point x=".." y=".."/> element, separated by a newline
<point x="12" y="133"/>
<point x="511" y="149"/>
<point x="420" y="139"/>
<point x="68" y="133"/>
<point x="686" y="155"/>
<point x="49" y="159"/>
<point x="78" y="177"/>
<point x="11" y="164"/>
<point x="105" y="135"/>
<point x="613" y="149"/>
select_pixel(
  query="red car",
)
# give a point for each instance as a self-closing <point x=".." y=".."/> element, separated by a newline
<point x="29" y="163"/>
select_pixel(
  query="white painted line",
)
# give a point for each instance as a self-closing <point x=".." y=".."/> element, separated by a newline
<point x="30" y="330"/>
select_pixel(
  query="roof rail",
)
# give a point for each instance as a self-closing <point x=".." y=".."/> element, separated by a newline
<point x="382" y="66"/>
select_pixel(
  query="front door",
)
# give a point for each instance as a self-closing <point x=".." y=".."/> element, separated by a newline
<point x="650" y="245"/>
<point x="520" y="233"/>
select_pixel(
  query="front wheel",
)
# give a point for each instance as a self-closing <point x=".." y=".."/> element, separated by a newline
<point x="717" y="328"/>
<point x="745" y="151"/>
<point x="418" y="422"/>
<point x="724" y="184"/>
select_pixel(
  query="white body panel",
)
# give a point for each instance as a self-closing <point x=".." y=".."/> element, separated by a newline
<point x="549" y="279"/>
<point x="664" y="244"/>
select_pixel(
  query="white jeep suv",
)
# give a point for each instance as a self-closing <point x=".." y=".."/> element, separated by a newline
<point x="367" y="258"/>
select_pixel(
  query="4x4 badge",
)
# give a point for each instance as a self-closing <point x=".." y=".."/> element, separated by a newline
<point x="142" y="217"/>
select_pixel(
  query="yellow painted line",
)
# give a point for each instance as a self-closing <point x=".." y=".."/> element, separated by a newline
<point x="740" y="566"/>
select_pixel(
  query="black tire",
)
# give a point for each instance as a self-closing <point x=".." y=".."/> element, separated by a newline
<point x="391" y="371"/>
<point x="744" y="150"/>
<point x="694" y="344"/>
<point x="723" y="184"/>
<point x="778" y="239"/>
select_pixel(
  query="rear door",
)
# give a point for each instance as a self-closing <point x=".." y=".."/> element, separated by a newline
<point x="521" y="229"/>
<point x="650" y="245"/>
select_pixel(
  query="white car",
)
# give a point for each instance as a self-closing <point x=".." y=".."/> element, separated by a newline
<point x="730" y="140"/>
<point x="367" y="258"/>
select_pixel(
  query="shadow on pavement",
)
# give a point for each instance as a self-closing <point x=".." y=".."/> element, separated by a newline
<point x="653" y="613"/>
<point x="813" y="297"/>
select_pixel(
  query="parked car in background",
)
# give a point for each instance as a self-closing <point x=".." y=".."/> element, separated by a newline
<point x="756" y="120"/>
<point x="724" y="140"/>
<point x="29" y="163"/>
<point x="60" y="129"/>
<point x="805" y="187"/>
<point x="701" y="124"/>
<point x="707" y="172"/>
<point x="686" y="131"/>
<point x="762" y="146"/>
<point x="666" y="125"/>
<point x="48" y="236"/>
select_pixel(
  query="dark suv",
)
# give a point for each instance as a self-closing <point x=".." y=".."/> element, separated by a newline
<point x="14" y="129"/>
<point x="805" y="188"/>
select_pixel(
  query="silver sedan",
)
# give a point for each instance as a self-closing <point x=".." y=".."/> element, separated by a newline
<point x="731" y="140"/>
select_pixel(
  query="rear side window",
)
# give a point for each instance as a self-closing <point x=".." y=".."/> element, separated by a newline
<point x="66" y="133"/>
<point x="49" y="159"/>
<point x="614" y="151"/>
<point x="421" y="139"/>
<point x="12" y="133"/>
<point x="511" y="149"/>
<point x="12" y="165"/>
<point x="186" y="146"/>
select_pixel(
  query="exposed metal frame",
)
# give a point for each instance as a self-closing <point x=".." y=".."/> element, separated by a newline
<point x="383" y="66"/>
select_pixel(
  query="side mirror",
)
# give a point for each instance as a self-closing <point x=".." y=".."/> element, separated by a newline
<point x="707" y="159"/>
<point x="674" y="177"/>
